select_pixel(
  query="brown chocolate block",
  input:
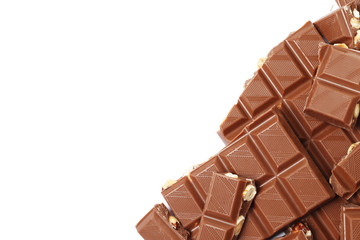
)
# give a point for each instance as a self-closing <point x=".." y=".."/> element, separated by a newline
<point x="324" y="222"/>
<point x="350" y="222"/>
<point x="226" y="206"/>
<point x="342" y="3"/>
<point x="335" y="94"/>
<point x="268" y="152"/>
<point x="336" y="27"/>
<point x="298" y="231"/>
<point x="345" y="178"/>
<point x="289" y="68"/>
<point x="159" y="224"/>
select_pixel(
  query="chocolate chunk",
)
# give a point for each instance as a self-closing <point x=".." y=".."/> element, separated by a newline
<point x="158" y="224"/>
<point x="335" y="94"/>
<point x="345" y="178"/>
<point x="325" y="221"/>
<point x="226" y="206"/>
<point x="350" y="222"/>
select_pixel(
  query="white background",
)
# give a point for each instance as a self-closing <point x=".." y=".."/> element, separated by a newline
<point x="102" y="101"/>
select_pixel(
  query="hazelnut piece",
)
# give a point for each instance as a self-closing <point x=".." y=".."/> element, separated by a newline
<point x="261" y="62"/>
<point x="355" y="23"/>
<point x="343" y="45"/>
<point x="168" y="184"/>
<point x="174" y="222"/>
<point x="249" y="192"/>
<point x="357" y="40"/>
<point x="352" y="147"/>
<point x="357" y="111"/>
<point x="239" y="224"/>
<point x="356" y="13"/>
<point x="231" y="175"/>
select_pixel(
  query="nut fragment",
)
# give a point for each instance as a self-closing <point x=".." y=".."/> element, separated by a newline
<point x="343" y="45"/>
<point x="352" y="147"/>
<point x="168" y="184"/>
<point x="357" y="40"/>
<point x="308" y="234"/>
<point x="357" y="111"/>
<point x="174" y="222"/>
<point x="188" y="171"/>
<point x="356" y="13"/>
<point x="239" y="224"/>
<point x="355" y="23"/>
<point x="261" y="62"/>
<point x="231" y="175"/>
<point x="249" y="192"/>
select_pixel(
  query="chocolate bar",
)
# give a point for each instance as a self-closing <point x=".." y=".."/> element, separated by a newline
<point x="345" y="178"/>
<point x="226" y="206"/>
<point x="350" y="222"/>
<point x="288" y="71"/>
<point x="270" y="153"/>
<point x="340" y="26"/>
<point x="335" y="94"/>
<point x="159" y="224"/>
<point x="325" y="221"/>
<point x="298" y="231"/>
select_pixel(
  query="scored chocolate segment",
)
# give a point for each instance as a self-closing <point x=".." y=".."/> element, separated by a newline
<point x="225" y="208"/>
<point x="350" y="222"/>
<point x="325" y="221"/>
<point x="342" y="3"/>
<point x="158" y="224"/>
<point x="345" y="178"/>
<point x="290" y="66"/>
<point x="335" y="94"/>
<point x="268" y="152"/>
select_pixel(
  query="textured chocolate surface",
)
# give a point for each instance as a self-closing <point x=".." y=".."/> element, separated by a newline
<point x="268" y="152"/>
<point x="336" y="27"/>
<point x="224" y="206"/>
<point x="325" y="221"/>
<point x="350" y="222"/>
<point x="155" y="225"/>
<point x="289" y="68"/>
<point x="336" y="89"/>
<point x="343" y="2"/>
<point x="345" y="178"/>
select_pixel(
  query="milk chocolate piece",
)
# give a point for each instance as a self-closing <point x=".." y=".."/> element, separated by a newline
<point x="299" y="231"/>
<point x="342" y="3"/>
<point x="226" y="206"/>
<point x="324" y="222"/>
<point x="268" y="152"/>
<point x="345" y="178"/>
<point x="288" y="70"/>
<point x="350" y="222"/>
<point x="335" y="94"/>
<point x="336" y="27"/>
<point x="158" y="224"/>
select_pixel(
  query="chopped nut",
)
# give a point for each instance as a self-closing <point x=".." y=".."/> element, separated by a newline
<point x="330" y="181"/>
<point x="168" y="184"/>
<point x="261" y="62"/>
<point x="308" y="234"/>
<point x="352" y="147"/>
<point x="355" y="23"/>
<point x="356" y="13"/>
<point x="231" y="175"/>
<point x="343" y="45"/>
<point x="174" y="222"/>
<point x="239" y="224"/>
<point x="357" y="40"/>
<point x="357" y="111"/>
<point x="188" y="171"/>
<point x="249" y="192"/>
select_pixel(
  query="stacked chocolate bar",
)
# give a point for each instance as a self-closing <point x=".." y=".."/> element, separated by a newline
<point x="290" y="166"/>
